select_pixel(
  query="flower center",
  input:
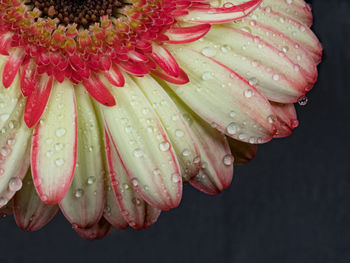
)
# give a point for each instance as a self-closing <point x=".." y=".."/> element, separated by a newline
<point x="81" y="12"/>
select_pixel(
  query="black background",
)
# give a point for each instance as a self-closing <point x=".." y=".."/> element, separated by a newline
<point x="290" y="204"/>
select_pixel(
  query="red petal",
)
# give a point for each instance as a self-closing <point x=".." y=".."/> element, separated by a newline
<point x="180" y="80"/>
<point x="5" y="43"/>
<point x="114" y="76"/>
<point x="99" y="91"/>
<point x="98" y="231"/>
<point x="37" y="100"/>
<point x="29" y="78"/>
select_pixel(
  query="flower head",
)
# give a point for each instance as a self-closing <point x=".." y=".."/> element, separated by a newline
<point x="108" y="106"/>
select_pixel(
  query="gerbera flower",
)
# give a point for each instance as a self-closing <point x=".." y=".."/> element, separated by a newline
<point x="108" y="106"/>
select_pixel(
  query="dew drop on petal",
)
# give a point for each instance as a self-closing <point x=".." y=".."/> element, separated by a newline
<point x="175" y="177"/>
<point x="60" y="132"/>
<point x="231" y="128"/>
<point x="135" y="182"/>
<point x="59" y="162"/>
<point x="91" y="180"/>
<point x="228" y="160"/>
<point x="303" y="101"/>
<point x="209" y="52"/>
<point x="164" y="146"/>
<point x="15" y="184"/>
<point x="79" y="193"/>
<point x="138" y="153"/>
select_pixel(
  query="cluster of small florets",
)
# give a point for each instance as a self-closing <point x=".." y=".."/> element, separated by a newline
<point x="64" y="48"/>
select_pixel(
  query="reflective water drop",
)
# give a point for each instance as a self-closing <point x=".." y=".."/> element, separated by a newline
<point x="134" y="182"/>
<point x="91" y="180"/>
<point x="59" y="162"/>
<point x="175" y="177"/>
<point x="209" y="52"/>
<point x="179" y="133"/>
<point x="248" y="93"/>
<point x="228" y="160"/>
<point x="15" y="184"/>
<point x="303" y="101"/>
<point x="60" y="132"/>
<point x="232" y="128"/>
<point x="79" y="193"/>
<point x="186" y="152"/>
<point x="164" y="146"/>
<point x="138" y="153"/>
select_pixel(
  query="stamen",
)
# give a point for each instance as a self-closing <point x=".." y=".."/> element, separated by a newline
<point x="80" y="12"/>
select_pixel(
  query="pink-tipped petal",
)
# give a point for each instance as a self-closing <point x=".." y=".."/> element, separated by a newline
<point x="297" y="9"/>
<point x="14" y="153"/>
<point x="286" y="119"/>
<point x="99" y="91"/>
<point x="133" y="207"/>
<point x="30" y="212"/>
<point x="83" y="203"/>
<point x="36" y="102"/>
<point x="228" y="13"/>
<point x="216" y="170"/>
<point x="12" y="65"/>
<point x="176" y="126"/>
<point x="241" y="151"/>
<point x="97" y="231"/>
<point x="53" y="169"/>
<point x="165" y="60"/>
<point x="183" y="35"/>
<point x="150" y="162"/>
<point x="223" y="98"/>
<point x="266" y="67"/>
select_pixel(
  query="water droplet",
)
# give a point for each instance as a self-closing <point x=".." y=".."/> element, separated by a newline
<point x="58" y="146"/>
<point x="276" y="77"/>
<point x="197" y="159"/>
<point x="248" y="93"/>
<point x="79" y="193"/>
<point x="134" y="182"/>
<point x="156" y="172"/>
<point x="91" y="180"/>
<point x="228" y="160"/>
<point x="59" y="162"/>
<point x="5" y="151"/>
<point x="179" y="133"/>
<point x="175" y="177"/>
<point x="15" y="184"/>
<point x="232" y="114"/>
<point x="138" y="153"/>
<point x="186" y="152"/>
<point x="207" y="75"/>
<point x="232" y="128"/>
<point x="228" y="5"/>
<point x="164" y="146"/>
<point x="209" y="52"/>
<point x="4" y="117"/>
<point x="60" y="132"/>
<point x="303" y="101"/>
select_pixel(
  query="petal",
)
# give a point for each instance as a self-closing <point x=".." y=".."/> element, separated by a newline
<point x="53" y="170"/>
<point x="37" y="100"/>
<point x="5" y="43"/>
<point x="8" y="97"/>
<point x="14" y="153"/>
<point x="29" y="78"/>
<point x="84" y="202"/>
<point x="286" y="46"/>
<point x="182" y="35"/>
<point x="223" y="98"/>
<point x="97" y="231"/>
<point x="220" y="15"/>
<point x="297" y="9"/>
<point x="176" y="127"/>
<point x="141" y="152"/>
<point x="292" y="28"/>
<point x="12" y="65"/>
<point x="30" y="212"/>
<point x="7" y="209"/>
<point x="217" y="163"/>
<point x="242" y="152"/>
<point x="114" y="76"/>
<point x="112" y="211"/>
<point x="179" y="80"/>
<point x="99" y="91"/>
<point x="274" y="75"/>
<point x="133" y="207"/>
<point x="165" y="60"/>
<point x="286" y="119"/>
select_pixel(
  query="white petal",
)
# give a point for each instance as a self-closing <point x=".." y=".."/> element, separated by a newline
<point x="175" y="125"/>
<point x="53" y="168"/>
<point x="84" y="202"/>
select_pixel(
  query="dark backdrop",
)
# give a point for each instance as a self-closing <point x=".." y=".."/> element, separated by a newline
<point x="291" y="204"/>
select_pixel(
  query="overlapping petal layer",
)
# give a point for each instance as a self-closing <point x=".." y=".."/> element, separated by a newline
<point x="108" y="121"/>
